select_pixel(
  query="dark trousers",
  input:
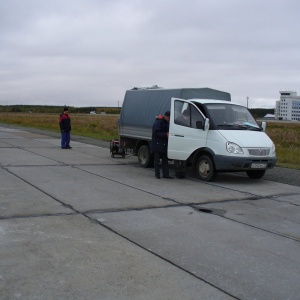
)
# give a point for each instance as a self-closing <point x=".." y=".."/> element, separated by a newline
<point x="164" y="163"/>
<point x="180" y="168"/>
<point x="65" y="139"/>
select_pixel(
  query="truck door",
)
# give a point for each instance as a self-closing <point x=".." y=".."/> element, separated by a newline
<point x="187" y="131"/>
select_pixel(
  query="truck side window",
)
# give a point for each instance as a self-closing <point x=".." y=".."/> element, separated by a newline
<point x="187" y="115"/>
<point x="182" y="114"/>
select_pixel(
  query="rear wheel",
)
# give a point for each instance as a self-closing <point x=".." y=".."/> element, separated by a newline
<point x="145" y="157"/>
<point x="205" y="168"/>
<point x="256" y="174"/>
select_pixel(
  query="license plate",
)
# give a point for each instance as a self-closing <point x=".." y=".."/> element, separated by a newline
<point x="258" y="166"/>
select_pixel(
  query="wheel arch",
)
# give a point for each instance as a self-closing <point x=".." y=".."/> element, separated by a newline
<point x="200" y="152"/>
<point x="145" y="156"/>
<point x="141" y="143"/>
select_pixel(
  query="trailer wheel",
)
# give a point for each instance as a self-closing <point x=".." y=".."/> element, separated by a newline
<point x="144" y="156"/>
<point x="256" y="174"/>
<point x="205" y="168"/>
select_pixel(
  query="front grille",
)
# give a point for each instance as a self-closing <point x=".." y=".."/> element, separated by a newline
<point x="259" y="151"/>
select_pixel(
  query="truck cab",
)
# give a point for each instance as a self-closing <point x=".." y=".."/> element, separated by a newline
<point x="218" y="136"/>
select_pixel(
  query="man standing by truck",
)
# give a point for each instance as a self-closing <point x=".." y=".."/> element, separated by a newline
<point x="159" y="144"/>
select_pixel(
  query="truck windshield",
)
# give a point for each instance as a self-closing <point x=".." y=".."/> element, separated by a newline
<point x="230" y="117"/>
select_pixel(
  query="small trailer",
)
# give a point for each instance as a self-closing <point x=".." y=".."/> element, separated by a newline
<point x="116" y="150"/>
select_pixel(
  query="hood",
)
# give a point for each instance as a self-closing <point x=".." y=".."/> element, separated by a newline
<point x="247" y="138"/>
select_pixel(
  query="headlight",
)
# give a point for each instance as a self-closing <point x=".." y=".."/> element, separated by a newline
<point x="234" y="148"/>
<point x="273" y="149"/>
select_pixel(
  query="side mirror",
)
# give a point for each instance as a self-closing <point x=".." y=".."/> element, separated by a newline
<point x="199" y="125"/>
<point x="264" y="126"/>
<point x="206" y="124"/>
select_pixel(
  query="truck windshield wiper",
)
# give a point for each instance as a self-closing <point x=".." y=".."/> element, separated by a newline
<point x="224" y="125"/>
<point x="239" y="126"/>
<point x="248" y="126"/>
<point x="231" y="126"/>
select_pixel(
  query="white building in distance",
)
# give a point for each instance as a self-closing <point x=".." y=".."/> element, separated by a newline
<point x="288" y="107"/>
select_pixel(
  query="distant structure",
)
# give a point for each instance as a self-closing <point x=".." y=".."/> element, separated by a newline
<point x="269" y="117"/>
<point x="288" y="107"/>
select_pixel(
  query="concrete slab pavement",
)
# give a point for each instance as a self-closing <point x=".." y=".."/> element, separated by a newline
<point x="84" y="191"/>
<point x="279" y="217"/>
<point x="246" y="262"/>
<point x="77" y="224"/>
<point x="241" y="182"/>
<point x="20" y="199"/>
<point x="193" y="192"/>
<point x="12" y="156"/>
<point x="64" y="156"/>
<point x="71" y="257"/>
<point x="26" y="143"/>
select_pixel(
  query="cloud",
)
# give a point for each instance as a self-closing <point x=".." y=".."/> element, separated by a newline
<point x="89" y="52"/>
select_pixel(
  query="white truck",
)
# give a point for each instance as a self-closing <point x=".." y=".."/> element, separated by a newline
<point x="206" y="130"/>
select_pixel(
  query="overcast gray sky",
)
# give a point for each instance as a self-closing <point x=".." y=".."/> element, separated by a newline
<point x="89" y="52"/>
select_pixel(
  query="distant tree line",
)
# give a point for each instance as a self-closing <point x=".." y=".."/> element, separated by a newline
<point x="256" y="112"/>
<point x="57" y="109"/>
<point x="259" y="113"/>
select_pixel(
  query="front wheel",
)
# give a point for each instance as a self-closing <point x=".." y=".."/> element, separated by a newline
<point x="144" y="156"/>
<point x="256" y="174"/>
<point x="205" y="168"/>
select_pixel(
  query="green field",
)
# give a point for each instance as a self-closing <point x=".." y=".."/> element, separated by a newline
<point x="285" y="135"/>
<point x="102" y="127"/>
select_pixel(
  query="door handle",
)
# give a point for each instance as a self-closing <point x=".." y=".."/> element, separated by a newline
<point x="178" y="135"/>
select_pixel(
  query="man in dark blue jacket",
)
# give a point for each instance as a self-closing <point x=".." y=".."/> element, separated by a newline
<point x="159" y="144"/>
<point x="65" y="128"/>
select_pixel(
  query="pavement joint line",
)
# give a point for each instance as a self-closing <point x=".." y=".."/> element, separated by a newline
<point x="179" y="204"/>
<point x="283" y="201"/>
<point x="259" y="197"/>
<point x="194" y="206"/>
<point x="93" y="164"/>
<point x="38" y="216"/>
<point x="220" y="187"/>
<point x="163" y="258"/>
<point x="127" y="185"/>
<point x="255" y="227"/>
<point x="26" y="149"/>
<point x="42" y="191"/>
<point x="256" y="197"/>
<point x="253" y="197"/>
<point x="30" y="166"/>
<point x="107" y="211"/>
<point x="44" y="156"/>
<point x="9" y="147"/>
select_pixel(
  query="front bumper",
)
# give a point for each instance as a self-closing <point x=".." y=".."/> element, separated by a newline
<point x="229" y="163"/>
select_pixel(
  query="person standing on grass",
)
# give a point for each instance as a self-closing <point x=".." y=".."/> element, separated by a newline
<point x="65" y="128"/>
